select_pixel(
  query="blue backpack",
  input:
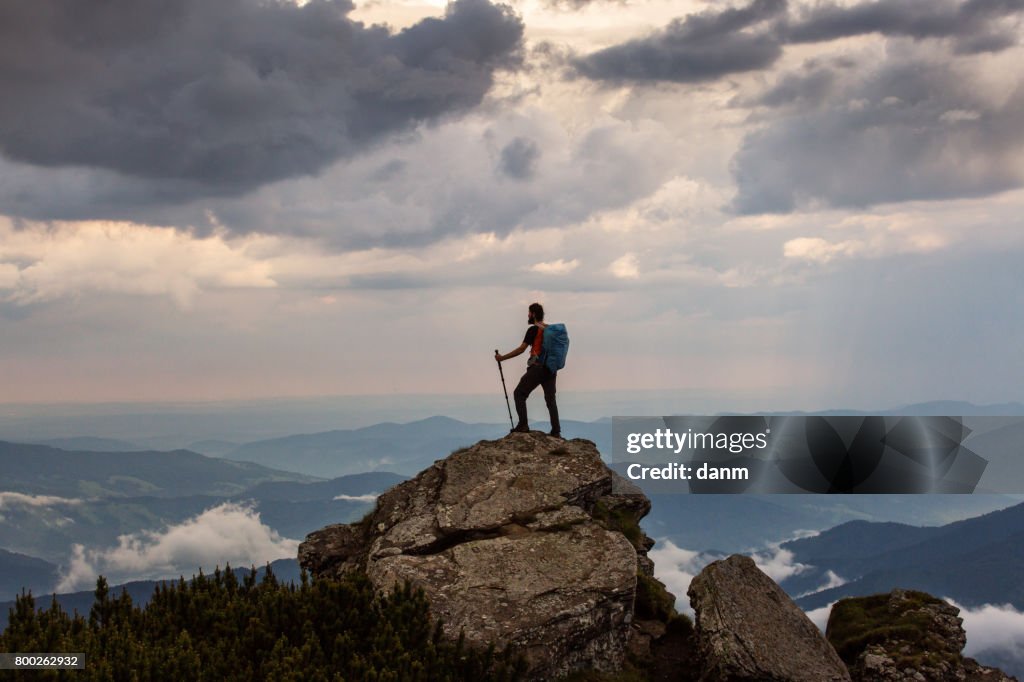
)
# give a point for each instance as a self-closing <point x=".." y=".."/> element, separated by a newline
<point x="554" y="346"/>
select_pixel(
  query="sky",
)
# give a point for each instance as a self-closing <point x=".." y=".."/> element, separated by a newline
<point x="815" y="203"/>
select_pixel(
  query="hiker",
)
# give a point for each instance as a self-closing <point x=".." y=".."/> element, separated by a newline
<point x="537" y="374"/>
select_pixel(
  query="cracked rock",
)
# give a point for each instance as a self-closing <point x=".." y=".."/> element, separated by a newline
<point x="749" y="629"/>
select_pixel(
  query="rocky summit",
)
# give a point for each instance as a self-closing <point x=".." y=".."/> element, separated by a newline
<point x="747" y="628"/>
<point x="904" y="636"/>
<point x="517" y="541"/>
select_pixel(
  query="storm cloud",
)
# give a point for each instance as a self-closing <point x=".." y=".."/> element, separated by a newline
<point x="212" y="99"/>
<point x="716" y="43"/>
<point x="974" y="26"/>
<point x="699" y="47"/>
<point x="906" y="130"/>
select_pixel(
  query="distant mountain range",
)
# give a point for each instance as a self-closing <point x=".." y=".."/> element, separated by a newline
<point x="18" y="571"/>
<point x="45" y="470"/>
<point x="353" y="485"/>
<point x="213" y="448"/>
<point x="91" y="444"/>
<point x="404" y="448"/>
<point x="103" y="488"/>
<point x="975" y="561"/>
<point x="740" y="523"/>
<point x="939" y="408"/>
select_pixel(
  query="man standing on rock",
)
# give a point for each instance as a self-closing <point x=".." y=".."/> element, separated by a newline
<point x="536" y="373"/>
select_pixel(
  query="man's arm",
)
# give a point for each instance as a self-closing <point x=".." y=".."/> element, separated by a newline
<point x="518" y="351"/>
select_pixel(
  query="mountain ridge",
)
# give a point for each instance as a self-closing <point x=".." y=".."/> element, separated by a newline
<point x="44" y="470"/>
<point x="945" y="560"/>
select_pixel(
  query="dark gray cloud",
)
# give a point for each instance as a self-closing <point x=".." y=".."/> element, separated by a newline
<point x="444" y="181"/>
<point x="700" y="47"/>
<point x="216" y="98"/>
<point x="716" y="43"/>
<point x="909" y="130"/>
<point x="974" y="25"/>
<point x="809" y="86"/>
<point x="519" y="158"/>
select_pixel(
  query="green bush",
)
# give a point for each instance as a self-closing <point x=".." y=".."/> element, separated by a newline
<point x="653" y="601"/>
<point x="219" y="628"/>
<point x="621" y="520"/>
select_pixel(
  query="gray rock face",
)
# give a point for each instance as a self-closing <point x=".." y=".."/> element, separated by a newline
<point x="747" y="628"/>
<point x="501" y="537"/>
<point x="904" y="636"/>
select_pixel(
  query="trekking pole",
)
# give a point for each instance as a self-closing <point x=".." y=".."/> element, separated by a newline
<point x="502" y="373"/>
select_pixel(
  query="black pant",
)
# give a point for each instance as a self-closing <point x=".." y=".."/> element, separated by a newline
<point x="537" y="375"/>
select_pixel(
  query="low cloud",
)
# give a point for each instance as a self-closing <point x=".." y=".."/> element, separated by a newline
<point x="778" y="563"/>
<point x="820" y="615"/>
<point x="228" y="533"/>
<point x="369" y="497"/>
<point x="676" y="566"/>
<point x="832" y="579"/>
<point x="994" y="633"/>
<point x="11" y="500"/>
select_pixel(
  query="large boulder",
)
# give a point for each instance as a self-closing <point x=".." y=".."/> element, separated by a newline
<point x="747" y="628"/>
<point x="905" y="635"/>
<point x="517" y="541"/>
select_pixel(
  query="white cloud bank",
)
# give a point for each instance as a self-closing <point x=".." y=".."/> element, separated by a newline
<point x="832" y="579"/>
<point x="676" y="566"/>
<point x="778" y="563"/>
<point x="369" y="497"/>
<point x="994" y="633"/>
<point x="9" y="500"/>
<point x="227" y="533"/>
<point x="49" y="261"/>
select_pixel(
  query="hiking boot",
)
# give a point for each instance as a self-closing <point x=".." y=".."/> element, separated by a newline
<point x="555" y="434"/>
<point x="520" y="428"/>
